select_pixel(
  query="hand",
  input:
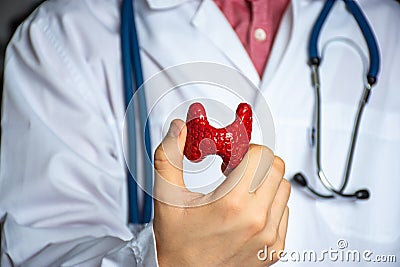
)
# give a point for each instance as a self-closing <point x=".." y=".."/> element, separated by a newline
<point x="234" y="226"/>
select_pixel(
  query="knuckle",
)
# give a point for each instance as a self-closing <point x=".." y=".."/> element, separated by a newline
<point x="232" y="211"/>
<point x="255" y="149"/>
<point x="257" y="223"/>
<point x="270" y="236"/>
<point x="160" y="158"/>
<point x="159" y="153"/>
<point x="273" y="230"/>
<point x="279" y="165"/>
<point x="286" y="187"/>
<point x="232" y="206"/>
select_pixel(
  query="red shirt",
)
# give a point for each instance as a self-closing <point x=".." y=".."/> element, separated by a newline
<point x="256" y="23"/>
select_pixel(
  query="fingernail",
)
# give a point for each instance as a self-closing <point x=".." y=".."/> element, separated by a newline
<point x="173" y="130"/>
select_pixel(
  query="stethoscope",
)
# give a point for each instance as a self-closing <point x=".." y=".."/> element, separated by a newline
<point x="132" y="70"/>
<point x="314" y="61"/>
<point x="133" y="73"/>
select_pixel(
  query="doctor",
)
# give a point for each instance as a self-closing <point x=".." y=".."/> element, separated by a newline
<point x="63" y="180"/>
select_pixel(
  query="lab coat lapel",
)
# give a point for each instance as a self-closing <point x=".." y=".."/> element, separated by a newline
<point x="209" y="25"/>
<point x="210" y="21"/>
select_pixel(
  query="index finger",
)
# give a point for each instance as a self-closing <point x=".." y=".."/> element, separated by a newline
<point x="270" y="183"/>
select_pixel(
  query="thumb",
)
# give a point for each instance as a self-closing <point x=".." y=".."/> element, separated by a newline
<point x="168" y="157"/>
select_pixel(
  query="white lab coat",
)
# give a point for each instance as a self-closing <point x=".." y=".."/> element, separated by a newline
<point x="63" y="180"/>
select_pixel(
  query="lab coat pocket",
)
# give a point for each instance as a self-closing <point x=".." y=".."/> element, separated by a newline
<point x="375" y="167"/>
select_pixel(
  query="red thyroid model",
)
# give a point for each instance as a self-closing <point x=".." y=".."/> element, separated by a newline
<point x="230" y="143"/>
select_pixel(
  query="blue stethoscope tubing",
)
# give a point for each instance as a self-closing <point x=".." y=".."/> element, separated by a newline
<point x="366" y="29"/>
<point x="371" y="79"/>
<point x="133" y="73"/>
